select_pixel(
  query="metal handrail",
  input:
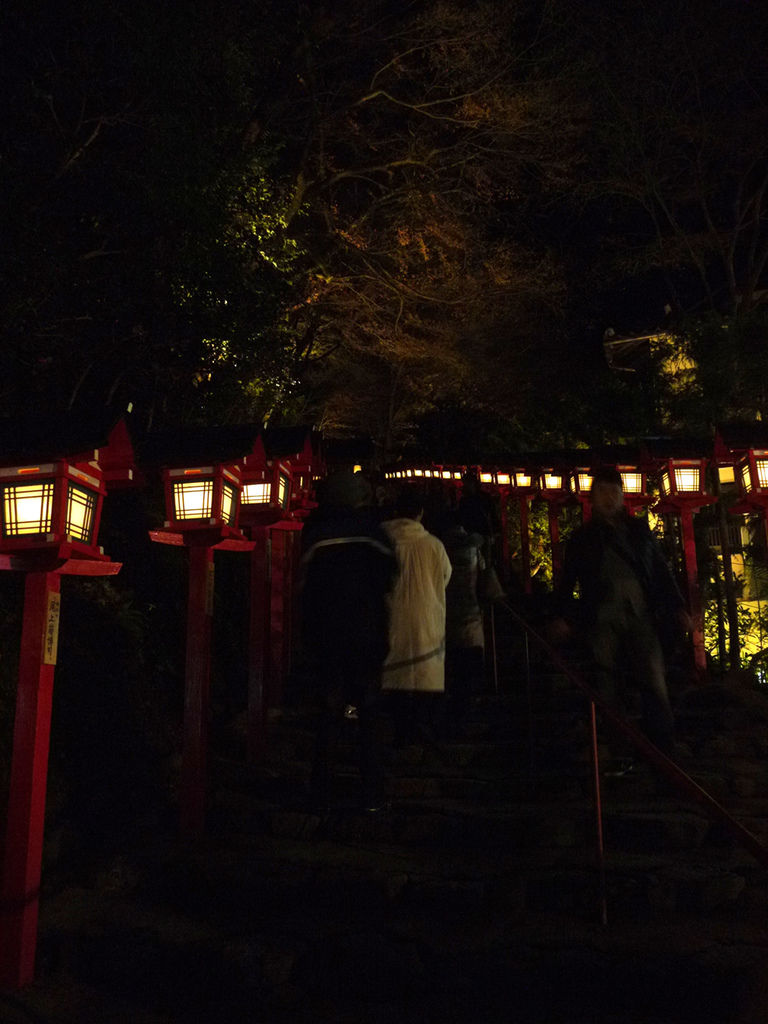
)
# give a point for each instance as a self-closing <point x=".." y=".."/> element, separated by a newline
<point x="674" y="774"/>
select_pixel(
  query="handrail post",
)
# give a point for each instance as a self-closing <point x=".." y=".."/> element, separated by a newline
<point x="603" y="897"/>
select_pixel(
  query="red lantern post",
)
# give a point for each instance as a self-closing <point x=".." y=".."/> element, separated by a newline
<point x="552" y="490"/>
<point x="50" y="519"/>
<point x="202" y="503"/>
<point x="266" y="500"/>
<point x="683" y="491"/>
<point x="522" y="486"/>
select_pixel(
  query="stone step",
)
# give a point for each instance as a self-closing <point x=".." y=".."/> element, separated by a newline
<point x="285" y="930"/>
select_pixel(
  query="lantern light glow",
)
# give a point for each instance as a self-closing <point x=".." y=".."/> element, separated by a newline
<point x="687" y="478"/>
<point x="193" y="499"/>
<point x="27" y="509"/>
<point x="256" y="494"/>
<point x="64" y="503"/>
<point x="81" y="506"/>
<point x="632" y="481"/>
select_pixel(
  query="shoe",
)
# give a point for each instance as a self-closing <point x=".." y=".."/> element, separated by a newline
<point x="377" y="807"/>
<point x="619" y="768"/>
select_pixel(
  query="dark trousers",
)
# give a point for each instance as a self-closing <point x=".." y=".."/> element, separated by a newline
<point x="636" y="652"/>
<point x="463" y="681"/>
<point x="340" y="685"/>
<point x="416" y="717"/>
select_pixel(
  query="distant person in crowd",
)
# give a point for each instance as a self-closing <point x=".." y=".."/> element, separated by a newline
<point x="348" y="572"/>
<point x="630" y="606"/>
<point x="414" y="671"/>
<point x="478" y="513"/>
<point x="464" y="624"/>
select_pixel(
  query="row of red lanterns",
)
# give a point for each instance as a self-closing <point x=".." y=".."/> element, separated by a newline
<point x="50" y="511"/>
<point x="55" y="506"/>
<point x="683" y="479"/>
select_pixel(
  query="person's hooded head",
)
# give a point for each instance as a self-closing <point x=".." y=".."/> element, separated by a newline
<point x="345" y="489"/>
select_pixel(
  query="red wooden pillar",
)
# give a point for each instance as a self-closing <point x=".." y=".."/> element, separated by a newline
<point x="284" y="538"/>
<point x="553" y="510"/>
<point x="258" y="652"/>
<point x="504" y="502"/>
<point x="29" y="771"/>
<point x="692" y="581"/>
<point x="525" y="544"/>
<point x="197" y="690"/>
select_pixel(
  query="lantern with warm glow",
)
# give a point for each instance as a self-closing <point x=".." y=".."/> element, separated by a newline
<point x="55" y="505"/>
<point x="581" y="482"/>
<point x="266" y="493"/>
<point x="551" y="484"/>
<point x="683" y="480"/>
<point x="632" y="480"/>
<point x="753" y="473"/>
<point x="203" y="497"/>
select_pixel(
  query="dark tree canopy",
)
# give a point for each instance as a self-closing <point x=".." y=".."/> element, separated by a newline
<point x="361" y="214"/>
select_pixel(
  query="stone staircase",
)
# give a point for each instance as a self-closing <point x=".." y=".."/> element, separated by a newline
<point x="478" y="898"/>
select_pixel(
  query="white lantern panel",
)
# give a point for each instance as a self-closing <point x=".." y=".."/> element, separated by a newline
<point x="256" y="494"/>
<point x="632" y="482"/>
<point x="193" y="499"/>
<point x="282" y="491"/>
<point x="228" y="504"/>
<point x="81" y="506"/>
<point x="687" y="479"/>
<point x="27" y="509"/>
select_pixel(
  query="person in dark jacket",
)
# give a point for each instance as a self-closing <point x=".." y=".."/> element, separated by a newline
<point x="348" y="569"/>
<point x="629" y="604"/>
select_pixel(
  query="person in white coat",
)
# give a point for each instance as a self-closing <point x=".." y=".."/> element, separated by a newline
<point x="415" y="666"/>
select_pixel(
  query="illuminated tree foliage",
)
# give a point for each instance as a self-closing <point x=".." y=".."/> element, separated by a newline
<point x="424" y="128"/>
<point x="130" y="256"/>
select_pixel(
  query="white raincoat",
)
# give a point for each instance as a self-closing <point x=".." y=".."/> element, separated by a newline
<point x="416" y="659"/>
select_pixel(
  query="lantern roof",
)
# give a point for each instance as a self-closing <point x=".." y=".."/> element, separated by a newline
<point x="296" y="442"/>
<point x="50" y="437"/>
<point x="734" y="439"/>
<point x="658" y="449"/>
<point x="191" y="445"/>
